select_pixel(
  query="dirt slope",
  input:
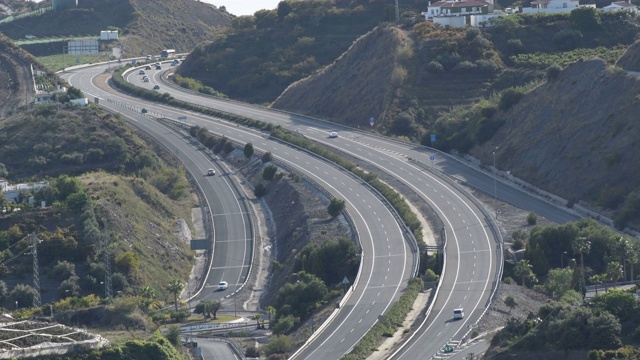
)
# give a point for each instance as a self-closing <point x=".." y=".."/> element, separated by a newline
<point x="351" y="84"/>
<point x="575" y="135"/>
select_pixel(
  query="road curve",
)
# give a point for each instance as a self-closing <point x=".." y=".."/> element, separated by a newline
<point x="387" y="259"/>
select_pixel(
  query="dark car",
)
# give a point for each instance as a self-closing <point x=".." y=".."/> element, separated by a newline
<point x="156" y="87"/>
<point x="147" y="67"/>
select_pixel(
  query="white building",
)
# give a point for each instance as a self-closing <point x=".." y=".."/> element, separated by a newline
<point x="456" y="13"/>
<point x="12" y="192"/>
<point x="107" y="35"/>
<point x="621" y="5"/>
<point x="551" y="6"/>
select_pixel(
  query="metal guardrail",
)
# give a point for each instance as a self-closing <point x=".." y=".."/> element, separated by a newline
<point x="491" y="221"/>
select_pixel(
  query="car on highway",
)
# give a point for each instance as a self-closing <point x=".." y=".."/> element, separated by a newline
<point x="145" y="79"/>
<point x="211" y="172"/>
<point x="458" y="314"/>
<point x="141" y="72"/>
<point x="156" y="87"/>
<point x="333" y="135"/>
<point x="158" y="67"/>
<point x="147" y="67"/>
<point x="222" y="285"/>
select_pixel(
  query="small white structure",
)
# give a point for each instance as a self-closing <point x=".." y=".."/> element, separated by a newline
<point x="82" y="101"/>
<point x="551" y="6"/>
<point x="621" y="5"/>
<point x="107" y="35"/>
<point x="484" y="20"/>
<point x="12" y="192"/>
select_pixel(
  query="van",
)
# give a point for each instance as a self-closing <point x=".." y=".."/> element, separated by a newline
<point x="508" y="10"/>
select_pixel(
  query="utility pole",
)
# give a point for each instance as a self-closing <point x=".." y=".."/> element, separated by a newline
<point x="397" y="12"/>
<point x="108" y="289"/>
<point x="37" y="302"/>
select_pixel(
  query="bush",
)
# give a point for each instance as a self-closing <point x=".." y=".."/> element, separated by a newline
<point x="279" y="344"/>
<point x="266" y="157"/>
<point x="567" y="39"/>
<point x="260" y="190"/>
<point x="285" y="324"/>
<point x="509" y="98"/>
<point x="269" y="172"/>
<point x="336" y="207"/>
<point x="465" y="67"/>
<point x="252" y="352"/>
<point x="553" y="71"/>
<point x="435" y="67"/>
<point x="532" y="218"/>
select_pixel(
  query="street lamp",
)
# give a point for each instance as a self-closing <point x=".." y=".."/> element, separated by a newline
<point x="16" y="304"/>
<point x="495" y="182"/>
<point x="562" y="259"/>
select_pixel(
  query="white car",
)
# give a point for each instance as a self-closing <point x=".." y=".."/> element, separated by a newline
<point x="333" y="134"/>
<point x="211" y="172"/>
<point x="458" y="314"/>
<point x="223" y="285"/>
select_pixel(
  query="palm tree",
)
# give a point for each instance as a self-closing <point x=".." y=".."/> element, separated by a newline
<point x="581" y="245"/>
<point x="523" y="270"/>
<point x="257" y="318"/>
<point x="175" y="287"/>
<point x="271" y="311"/>
<point x="597" y="279"/>
<point x="614" y="271"/>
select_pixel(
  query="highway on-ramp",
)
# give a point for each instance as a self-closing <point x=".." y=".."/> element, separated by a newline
<point x="388" y="260"/>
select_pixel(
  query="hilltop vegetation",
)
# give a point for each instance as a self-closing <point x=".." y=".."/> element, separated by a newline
<point x="145" y="26"/>
<point x="263" y="53"/>
<point x="476" y="89"/>
<point x="107" y="185"/>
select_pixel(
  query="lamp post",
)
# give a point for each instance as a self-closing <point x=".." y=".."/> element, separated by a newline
<point x="562" y="259"/>
<point x="495" y="182"/>
<point x="16" y="304"/>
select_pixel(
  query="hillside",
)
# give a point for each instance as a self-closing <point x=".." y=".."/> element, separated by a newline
<point x="351" y="83"/>
<point x="574" y="135"/>
<point x="146" y="26"/>
<point x="136" y="204"/>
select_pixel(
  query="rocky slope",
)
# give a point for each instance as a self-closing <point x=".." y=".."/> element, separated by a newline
<point x="574" y="135"/>
<point x="350" y="84"/>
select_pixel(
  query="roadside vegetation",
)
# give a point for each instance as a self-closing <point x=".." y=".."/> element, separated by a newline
<point x="561" y="261"/>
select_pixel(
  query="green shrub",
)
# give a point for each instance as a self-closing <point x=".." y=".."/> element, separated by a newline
<point x="260" y="190"/>
<point x="509" y="98"/>
<point x="532" y="218"/>
<point x="553" y="71"/>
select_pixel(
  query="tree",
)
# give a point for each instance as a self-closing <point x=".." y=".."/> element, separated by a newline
<point x="63" y="270"/>
<point x="75" y="93"/>
<point x="269" y="172"/>
<point x="173" y="334"/>
<point x="585" y="19"/>
<point x="597" y="279"/>
<point x="620" y="303"/>
<point x="266" y="157"/>
<point x="523" y="270"/>
<point x="279" y="344"/>
<point x="4" y="291"/>
<point x="510" y="302"/>
<point x="248" y="150"/>
<point x="271" y="311"/>
<point x="284" y="9"/>
<point x="69" y="287"/>
<point x="257" y="318"/>
<point x="336" y="206"/>
<point x="614" y="271"/>
<point x="23" y="294"/>
<point x="175" y="286"/>
<point x="559" y="281"/>
<point x="581" y="245"/>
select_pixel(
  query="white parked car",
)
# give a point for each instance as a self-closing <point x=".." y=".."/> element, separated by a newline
<point x="223" y="285"/>
<point x="211" y="172"/>
<point x="333" y="134"/>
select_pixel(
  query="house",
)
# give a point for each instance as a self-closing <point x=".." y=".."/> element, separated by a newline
<point x="551" y="6"/>
<point x="12" y="192"/>
<point x="621" y="5"/>
<point x="456" y="13"/>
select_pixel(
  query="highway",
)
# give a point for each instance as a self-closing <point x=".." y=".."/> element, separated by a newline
<point x="473" y="255"/>
<point x="473" y="258"/>
<point x="233" y="232"/>
<point x="387" y="259"/>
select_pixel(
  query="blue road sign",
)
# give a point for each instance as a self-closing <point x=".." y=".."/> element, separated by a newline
<point x="432" y="157"/>
<point x="372" y="120"/>
<point x="433" y="137"/>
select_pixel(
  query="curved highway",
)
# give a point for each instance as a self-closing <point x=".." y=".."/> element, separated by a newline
<point x="387" y="261"/>
<point x="473" y="255"/>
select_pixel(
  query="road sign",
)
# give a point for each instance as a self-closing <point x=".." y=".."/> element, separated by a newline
<point x="432" y="157"/>
<point x="433" y="137"/>
<point x="372" y="120"/>
<point x="345" y="280"/>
